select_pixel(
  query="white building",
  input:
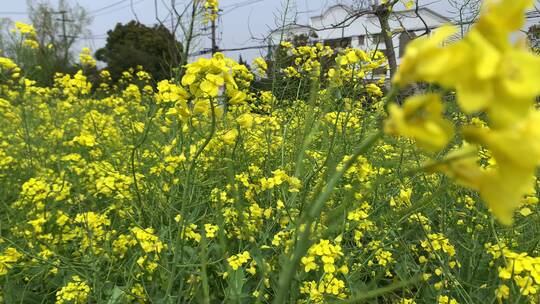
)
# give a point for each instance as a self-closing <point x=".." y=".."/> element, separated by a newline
<point x="341" y="26"/>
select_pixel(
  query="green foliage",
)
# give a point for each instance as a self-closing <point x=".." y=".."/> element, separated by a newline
<point x="134" y="44"/>
<point x="57" y="32"/>
<point x="39" y="63"/>
<point x="59" y="28"/>
<point x="53" y="40"/>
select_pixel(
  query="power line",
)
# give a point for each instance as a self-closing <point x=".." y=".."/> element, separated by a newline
<point x="13" y="13"/>
<point x="107" y="7"/>
<point x="244" y="3"/>
<point x="94" y="12"/>
<point x="208" y="51"/>
<point x="117" y="9"/>
<point x="229" y="8"/>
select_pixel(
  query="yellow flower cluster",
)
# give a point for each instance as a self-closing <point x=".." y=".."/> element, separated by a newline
<point x="421" y="119"/>
<point x="345" y="121"/>
<point x="206" y="77"/>
<point x="403" y="200"/>
<point x="438" y="242"/>
<point x="168" y="92"/>
<point x="28" y="33"/>
<point x="261" y="65"/>
<point x="25" y="29"/>
<point x="73" y="86"/>
<point x="442" y="299"/>
<point x="86" y="59"/>
<point x="316" y="291"/>
<point x="279" y="178"/>
<point x="108" y="182"/>
<point x="307" y="60"/>
<point x="38" y="190"/>
<point x="524" y="270"/>
<point x="151" y="246"/>
<point x="93" y="230"/>
<point x="355" y="65"/>
<point x="490" y="75"/>
<point x="7" y="66"/>
<point x="360" y="222"/>
<point x="190" y="232"/>
<point x="361" y="172"/>
<point x="238" y="260"/>
<point x="7" y="258"/>
<point x="210" y="230"/>
<point x="76" y="292"/>
<point x="328" y="255"/>
<point x="211" y="9"/>
<point x="202" y="84"/>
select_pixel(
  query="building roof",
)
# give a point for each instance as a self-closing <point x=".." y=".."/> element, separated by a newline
<point x="425" y="9"/>
<point x="292" y="26"/>
<point x="352" y="11"/>
<point x="345" y="7"/>
<point x="320" y="23"/>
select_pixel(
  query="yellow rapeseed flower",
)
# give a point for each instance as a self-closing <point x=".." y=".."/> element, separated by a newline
<point x="421" y="119"/>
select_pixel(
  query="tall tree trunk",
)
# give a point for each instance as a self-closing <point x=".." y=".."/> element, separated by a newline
<point x="383" y="14"/>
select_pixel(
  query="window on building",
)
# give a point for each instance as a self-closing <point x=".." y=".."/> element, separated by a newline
<point x="338" y="43"/>
<point x="376" y="39"/>
<point x="300" y="40"/>
<point x="362" y="40"/>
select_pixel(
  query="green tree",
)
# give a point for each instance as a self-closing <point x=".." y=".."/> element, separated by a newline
<point x="134" y="44"/>
<point x="58" y="29"/>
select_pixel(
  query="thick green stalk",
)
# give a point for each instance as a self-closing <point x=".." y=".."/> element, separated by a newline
<point x="381" y="291"/>
<point x="303" y="243"/>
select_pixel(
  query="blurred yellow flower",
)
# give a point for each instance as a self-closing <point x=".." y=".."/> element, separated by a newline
<point x="421" y="119"/>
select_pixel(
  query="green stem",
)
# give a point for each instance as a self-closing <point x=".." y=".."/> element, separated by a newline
<point x="381" y="291"/>
<point x="302" y="246"/>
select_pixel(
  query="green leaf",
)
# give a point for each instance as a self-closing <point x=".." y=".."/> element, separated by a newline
<point x="236" y="281"/>
<point x="118" y="296"/>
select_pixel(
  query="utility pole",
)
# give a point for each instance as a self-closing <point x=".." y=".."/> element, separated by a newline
<point x="215" y="47"/>
<point x="64" y="20"/>
<point x="214" y="38"/>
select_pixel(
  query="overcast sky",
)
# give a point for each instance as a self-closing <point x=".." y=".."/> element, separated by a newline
<point x="240" y="20"/>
